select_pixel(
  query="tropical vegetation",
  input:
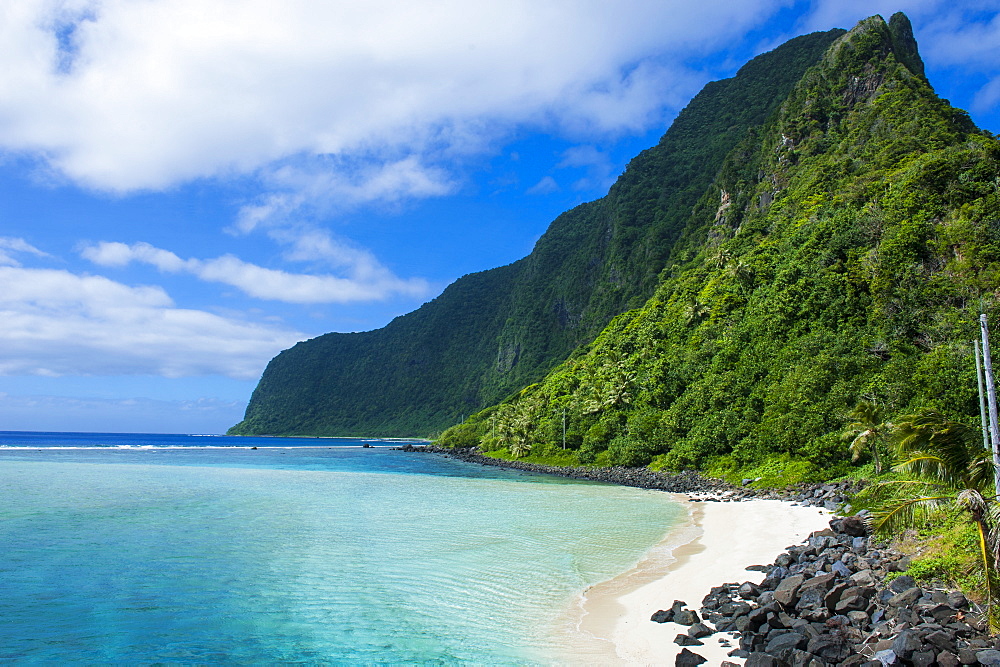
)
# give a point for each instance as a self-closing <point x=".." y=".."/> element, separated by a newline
<point x="841" y="254"/>
<point x="943" y="465"/>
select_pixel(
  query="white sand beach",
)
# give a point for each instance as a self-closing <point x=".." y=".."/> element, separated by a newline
<point x="717" y="544"/>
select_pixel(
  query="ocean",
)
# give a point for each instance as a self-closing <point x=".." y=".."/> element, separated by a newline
<point x="131" y="548"/>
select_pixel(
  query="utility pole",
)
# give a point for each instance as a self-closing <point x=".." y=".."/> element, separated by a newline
<point x="564" y="427"/>
<point x="982" y="397"/>
<point x="991" y="396"/>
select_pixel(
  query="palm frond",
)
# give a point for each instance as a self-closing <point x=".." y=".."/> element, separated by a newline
<point x="905" y="513"/>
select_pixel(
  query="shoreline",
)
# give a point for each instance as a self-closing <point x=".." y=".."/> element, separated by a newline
<point x="611" y="620"/>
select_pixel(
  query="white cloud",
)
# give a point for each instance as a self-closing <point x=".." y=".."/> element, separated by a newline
<point x="367" y="279"/>
<point x="598" y="166"/>
<point x="120" y="254"/>
<point x="55" y="323"/>
<point x="545" y="186"/>
<point x="154" y="93"/>
<point x="319" y="185"/>
<point x="10" y="245"/>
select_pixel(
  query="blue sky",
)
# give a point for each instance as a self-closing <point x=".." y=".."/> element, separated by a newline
<point x="187" y="187"/>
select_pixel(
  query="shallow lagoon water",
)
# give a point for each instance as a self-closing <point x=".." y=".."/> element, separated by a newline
<point x="324" y="553"/>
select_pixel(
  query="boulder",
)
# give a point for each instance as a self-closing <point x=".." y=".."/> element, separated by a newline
<point x="829" y="648"/>
<point x="782" y="645"/>
<point x="759" y="659"/>
<point x="947" y="659"/>
<point x="662" y="616"/>
<point x="699" y="630"/>
<point x="886" y="657"/>
<point x="688" y="659"/>
<point x="941" y="639"/>
<point x="988" y="657"/>
<point x="851" y="603"/>
<point x="686" y="617"/>
<point x="687" y="640"/>
<point x="863" y="578"/>
<point x="900" y="584"/>
<point x="906" y="644"/>
<point x="905" y="599"/>
<point x="839" y="569"/>
<point x="787" y="590"/>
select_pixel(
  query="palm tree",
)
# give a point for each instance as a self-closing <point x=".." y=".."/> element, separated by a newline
<point x="868" y="431"/>
<point x="946" y="465"/>
<point x="514" y="428"/>
<point x="695" y="311"/>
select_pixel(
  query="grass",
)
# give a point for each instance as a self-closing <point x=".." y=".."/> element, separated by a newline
<point x="567" y="458"/>
<point x="944" y="552"/>
<point x="773" y="472"/>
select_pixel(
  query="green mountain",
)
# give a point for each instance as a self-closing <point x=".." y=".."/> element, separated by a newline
<point x="491" y="333"/>
<point x="842" y="253"/>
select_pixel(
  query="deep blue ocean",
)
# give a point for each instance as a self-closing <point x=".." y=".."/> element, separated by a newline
<point x="132" y="548"/>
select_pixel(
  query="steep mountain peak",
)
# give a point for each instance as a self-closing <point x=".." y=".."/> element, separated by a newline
<point x="873" y="44"/>
<point x="905" y="45"/>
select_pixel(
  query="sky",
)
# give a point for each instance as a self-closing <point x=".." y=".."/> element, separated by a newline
<point x="188" y="187"/>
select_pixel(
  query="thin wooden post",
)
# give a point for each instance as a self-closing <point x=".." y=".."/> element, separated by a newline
<point x="991" y="397"/>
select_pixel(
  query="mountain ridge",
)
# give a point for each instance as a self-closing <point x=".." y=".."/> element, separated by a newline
<point x="491" y="333"/>
<point x="840" y="255"/>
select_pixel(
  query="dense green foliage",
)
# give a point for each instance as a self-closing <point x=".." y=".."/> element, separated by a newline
<point x="842" y="254"/>
<point x="943" y="465"/>
<point x="491" y="333"/>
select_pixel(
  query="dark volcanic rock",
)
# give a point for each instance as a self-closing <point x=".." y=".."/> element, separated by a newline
<point x="787" y="591"/>
<point x="687" y="640"/>
<point x="758" y="659"/>
<point x="662" y="616"/>
<point x="686" y="617"/>
<point x="699" y="630"/>
<point x="688" y="659"/>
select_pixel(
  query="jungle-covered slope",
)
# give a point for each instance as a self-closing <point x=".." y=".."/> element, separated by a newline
<point x="842" y="253"/>
<point x="491" y="333"/>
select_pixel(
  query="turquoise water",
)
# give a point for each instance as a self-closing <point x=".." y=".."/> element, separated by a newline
<point x="331" y="553"/>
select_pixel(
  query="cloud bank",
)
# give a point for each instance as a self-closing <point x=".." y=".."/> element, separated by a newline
<point x="55" y="323"/>
<point x="368" y="280"/>
<point x="121" y="95"/>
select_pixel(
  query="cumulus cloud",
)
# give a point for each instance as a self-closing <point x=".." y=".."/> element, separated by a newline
<point x="546" y="185"/>
<point x="9" y="246"/>
<point x="313" y="187"/>
<point x="123" y="95"/>
<point x="55" y="323"/>
<point x="367" y="279"/>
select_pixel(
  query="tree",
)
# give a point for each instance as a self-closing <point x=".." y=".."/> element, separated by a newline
<point x="514" y="427"/>
<point x="944" y="464"/>
<point x="869" y="431"/>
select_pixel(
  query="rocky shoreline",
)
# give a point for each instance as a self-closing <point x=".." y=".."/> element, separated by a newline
<point x="830" y="496"/>
<point x="838" y="599"/>
<point x="830" y="602"/>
